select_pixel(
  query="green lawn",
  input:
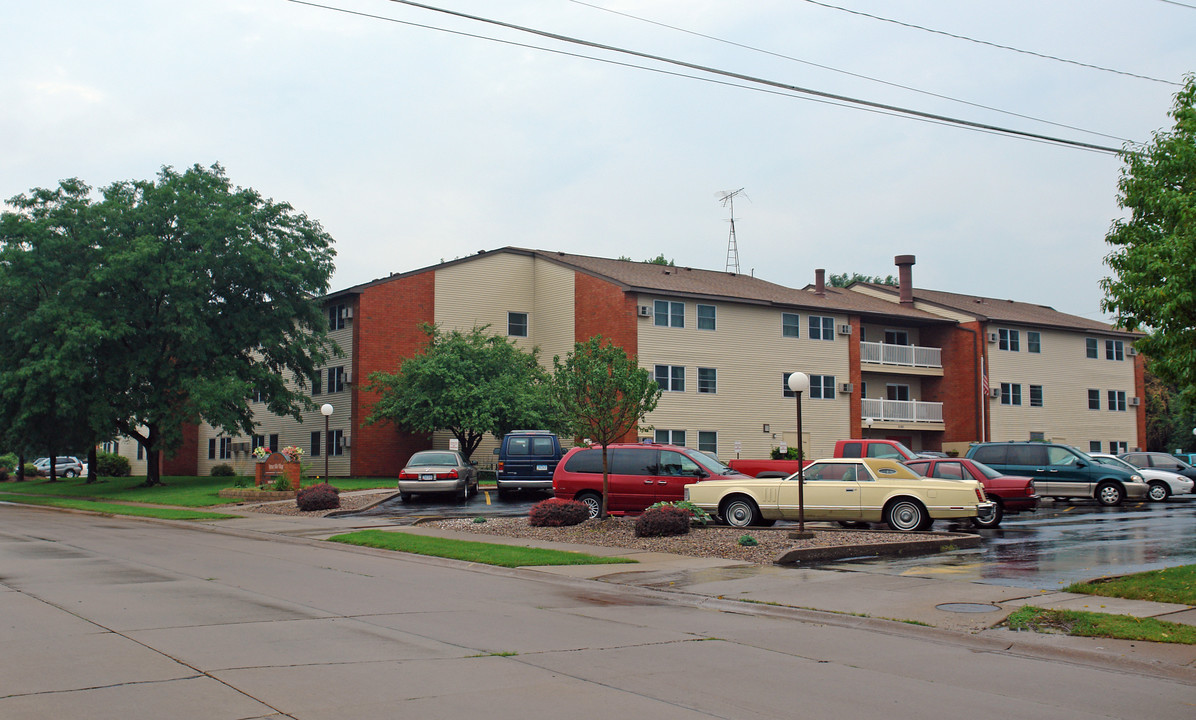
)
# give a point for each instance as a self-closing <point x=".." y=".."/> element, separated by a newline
<point x="1090" y="624"/>
<point x="115" y="509"/>
<point x="1170" y="585"/>
<point x="181" y="491"/>
<point x="471" y="551"/>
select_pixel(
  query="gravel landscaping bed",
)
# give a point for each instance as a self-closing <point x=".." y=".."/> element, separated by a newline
<point x="350" y="501"/>
<point x="706" y="542"/>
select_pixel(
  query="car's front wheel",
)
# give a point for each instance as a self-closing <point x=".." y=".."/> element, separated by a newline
<point x="991" y="519"/>
<point x="1109" y="494"/>
<point x="70" y="473"/>
<point x="741" y="512"/>
<point x="1158" y="492"/>
<point x="907" y="515"/>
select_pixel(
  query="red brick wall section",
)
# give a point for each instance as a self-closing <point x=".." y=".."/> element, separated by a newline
<point x="857" y="378"/>
<point x="386" y="330"/>
<point x="959" y="388"/>
<point x="602" y="308"/>
<point x="185" y="460"/>
<point x="1140" y="411"/>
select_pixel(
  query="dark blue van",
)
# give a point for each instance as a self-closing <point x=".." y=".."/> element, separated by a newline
<point x="526" y="460"/>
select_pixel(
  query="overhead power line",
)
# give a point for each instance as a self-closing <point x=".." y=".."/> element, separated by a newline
<point x="770" y="85"/>
<point x="993" y="44"/>
<point x="848" y="72"/>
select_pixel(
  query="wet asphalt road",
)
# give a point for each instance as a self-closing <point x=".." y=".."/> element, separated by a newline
<point x="1058" y="545"/>
<point x="1062" y="544"/>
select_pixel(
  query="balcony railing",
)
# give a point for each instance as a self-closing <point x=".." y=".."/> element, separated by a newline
<point x="901" y="410"/>
<point x="904" y="355"/>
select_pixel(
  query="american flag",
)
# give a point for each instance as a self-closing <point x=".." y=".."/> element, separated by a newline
<point x="983" y="380"/>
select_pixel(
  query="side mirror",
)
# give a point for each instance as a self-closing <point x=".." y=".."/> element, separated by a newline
<point x="1081" y="464"/>
<point x="496" y="451"/>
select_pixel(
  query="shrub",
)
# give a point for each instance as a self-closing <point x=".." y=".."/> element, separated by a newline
<point x="8" y="460"/>
<point x="281" y="483"/>
<point x="223" y="470"/>
<point x="31" y="470"/>
<point x="696" y="513"/>
<point x="748" y="541"/>
<point x="662" y="521"/>
<point x="112" y="465"/>
<point x="318" y="497"/>
<point x="557" y="512"/>
<point x="790" y="454"/>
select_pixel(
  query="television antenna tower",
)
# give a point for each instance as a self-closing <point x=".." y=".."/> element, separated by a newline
<point x="727" y="198"/>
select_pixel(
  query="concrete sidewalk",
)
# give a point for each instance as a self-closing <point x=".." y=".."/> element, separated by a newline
<point x="949" y="604"/>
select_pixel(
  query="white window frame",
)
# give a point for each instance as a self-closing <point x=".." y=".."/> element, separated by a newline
<point x="796" y="325"/>
<point x="1009" y="339"/>
<point x="1011" y="394"/>
<point x="670" y="311"/>
<point x="669" y="437"/>
<point x="822" y="387"/>
<point x="671" y="376"/>
<point x="825" y="325"/>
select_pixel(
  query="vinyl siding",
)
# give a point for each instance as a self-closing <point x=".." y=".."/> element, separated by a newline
<point x="1065" y="374"/>
<point x="751" y="356"/>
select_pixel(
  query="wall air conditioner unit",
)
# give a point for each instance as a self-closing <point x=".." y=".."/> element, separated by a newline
<point x="1135" y="402"/>
<point x="645" y="311"/>
<point x="994" y="392"/>
<point x="243" y="447"/>
<point x="992" y="337"/>
<point x="348" y="378"/>
<point x="347" y="313"/>
<point x="847" y="388"/>
<point x="1131" y="351"/>
<point x="844" y="329"/>
<point x="345" y="441"/>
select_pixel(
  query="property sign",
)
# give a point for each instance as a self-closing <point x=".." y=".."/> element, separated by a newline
<point x="274" y="464"/>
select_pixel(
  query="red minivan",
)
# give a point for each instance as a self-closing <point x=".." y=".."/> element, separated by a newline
<point x="639" y="475"/>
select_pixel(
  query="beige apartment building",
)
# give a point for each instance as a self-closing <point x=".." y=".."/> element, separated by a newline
<point x="882" y="362"/>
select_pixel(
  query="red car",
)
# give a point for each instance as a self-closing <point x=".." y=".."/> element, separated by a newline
<point x="1011" y="493"/>
<point x="639" y="475"/>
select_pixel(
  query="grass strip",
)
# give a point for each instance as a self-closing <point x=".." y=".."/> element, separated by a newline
<point x="194" y="491"/>
<point x="1170" y="585"/>
<point x="1103" y="625"/>
<point x="116" y="509"/>
<point x="472" y="551"/>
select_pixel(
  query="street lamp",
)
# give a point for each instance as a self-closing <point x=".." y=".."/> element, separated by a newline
<point x="326" y="411"/>
<point x="868" y="424"/>
<point x="799" y="382"/>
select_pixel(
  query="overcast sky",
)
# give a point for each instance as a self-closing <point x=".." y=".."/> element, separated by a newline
<point x="413" y="145"/>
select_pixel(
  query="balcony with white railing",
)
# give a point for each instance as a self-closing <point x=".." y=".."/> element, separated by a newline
<point x="901" y="411"/>
<point x="897" y="357"/>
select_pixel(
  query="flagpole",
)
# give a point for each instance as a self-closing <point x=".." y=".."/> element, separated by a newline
<point x="983" y="396"/>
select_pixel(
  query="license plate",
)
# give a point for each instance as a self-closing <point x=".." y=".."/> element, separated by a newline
<point x="427" y="476"/>
<point x="542" y="468"/>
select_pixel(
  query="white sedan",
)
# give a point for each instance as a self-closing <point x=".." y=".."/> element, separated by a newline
<point x="1162" y="484"/>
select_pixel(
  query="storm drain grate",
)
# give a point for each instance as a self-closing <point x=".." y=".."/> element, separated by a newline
<point x="967" y="607"/>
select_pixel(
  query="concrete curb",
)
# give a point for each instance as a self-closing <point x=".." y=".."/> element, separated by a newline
<point x="939" y="542"/>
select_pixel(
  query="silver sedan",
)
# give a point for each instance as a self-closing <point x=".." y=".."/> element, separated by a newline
<point x="438" y="471"/>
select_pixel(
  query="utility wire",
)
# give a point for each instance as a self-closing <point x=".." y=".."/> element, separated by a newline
<point x="849" y="73"/>
<point x="818" y="95"/>
<point x="995" y="45"/>
<point x="1173" y="2"/>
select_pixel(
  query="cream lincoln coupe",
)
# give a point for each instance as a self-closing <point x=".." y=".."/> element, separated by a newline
<point x="844" y="490"/>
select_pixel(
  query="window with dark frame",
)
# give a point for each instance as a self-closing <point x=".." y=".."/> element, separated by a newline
<point x="1033" y="341"/>
<point x="707" y="380"/>
<point x="1093" y="399"/>
<point x="708" y="441"/>
<point x="1035" y="396"/>
<point x="1114" y="350"/>
<point x="517" y="324"/>
<point x="790" y="325"/>
<point x="1094" y="446"/>
<point x="336" y="379"/>
<point x="317" y="382"/>
<point x="706" y="317"/>
<point x="335" y="444"/>
<point x="315" y="444"/>
<point x="336" y="317"/>
<point x="1090" y="347"/>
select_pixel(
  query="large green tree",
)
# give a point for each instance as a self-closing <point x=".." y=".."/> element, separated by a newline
<point x="185" y="297"/>
<point x="1153" y="287"/>
<point x="469" y="383"/>
<point x="603" y="395"/>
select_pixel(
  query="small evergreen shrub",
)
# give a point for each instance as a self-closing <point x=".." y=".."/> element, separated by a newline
<point x="557" y="512"/>
<point x="662" y="521"/>
<point x="318" y="497"/>
<point x="223" y="470"/>
<point x="112" y="465"/>
<point x="748" y="541"/>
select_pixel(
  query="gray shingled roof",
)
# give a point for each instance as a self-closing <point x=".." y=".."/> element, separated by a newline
<point x="1007" y="311"/>
<point x="712" y="284"/>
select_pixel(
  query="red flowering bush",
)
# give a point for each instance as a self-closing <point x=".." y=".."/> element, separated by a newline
<point x="662" y="521"/>
<point x="318" y="497"/>
<point x="557" y="512"/>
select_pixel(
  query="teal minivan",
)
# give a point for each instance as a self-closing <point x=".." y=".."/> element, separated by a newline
<point x="1061" y="471"/>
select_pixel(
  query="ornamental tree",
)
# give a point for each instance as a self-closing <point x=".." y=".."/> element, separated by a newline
<point x="603" y="395"/>
<point x="1153" y="260"/>
<point x="469" y="383"/>
<point x="179" y="299"/>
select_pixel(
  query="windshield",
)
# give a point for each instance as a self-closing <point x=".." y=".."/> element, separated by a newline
<point x="1115" y="462"/>
<point x="713" y="466"/>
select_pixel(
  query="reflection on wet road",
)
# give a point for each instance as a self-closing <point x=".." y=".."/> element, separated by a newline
<point x="1063" y="545"/>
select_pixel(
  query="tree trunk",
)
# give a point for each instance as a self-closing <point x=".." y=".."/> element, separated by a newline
<point x="91" y="464"/>
<point x="605" y="485"/>
<point x="20" y="466"/>
<point x="53" y="469"/>
<point x="153" y="476"/>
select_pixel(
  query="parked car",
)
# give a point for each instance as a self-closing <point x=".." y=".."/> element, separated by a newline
<point x="1060" y="471"/>
<point x="64" y="466"/>
<point x="1010" y="494"/>
<point x="438" y="471"/>
<point x="1159" y="461"/>
<point x="1161" y="483"/>
<point x="843" y="490"/>
<point x="639" y="475"/>
<point x="526" y="461"/>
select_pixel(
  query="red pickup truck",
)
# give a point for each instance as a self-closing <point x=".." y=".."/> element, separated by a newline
<point x="843" y="449"/>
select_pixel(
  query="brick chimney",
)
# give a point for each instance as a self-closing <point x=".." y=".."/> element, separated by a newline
<point x="905" y="278"/>
<point x="820" y="282"/>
